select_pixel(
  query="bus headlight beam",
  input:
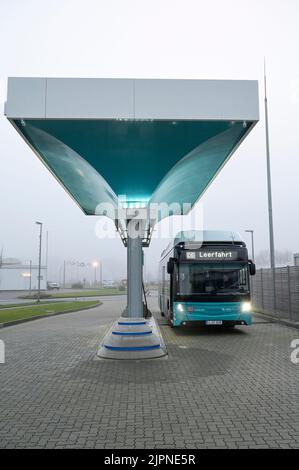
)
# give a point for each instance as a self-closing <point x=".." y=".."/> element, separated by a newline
<point x="246" y="307"/>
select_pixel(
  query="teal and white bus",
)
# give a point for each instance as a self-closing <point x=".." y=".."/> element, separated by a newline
<point x="204" y="280"/>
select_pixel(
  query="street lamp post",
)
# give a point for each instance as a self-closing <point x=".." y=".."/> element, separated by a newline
<point x="252" y="243"/>
<point x="64" y="274"/>
<point x="101" y="274"/>
<point x="39" y="258"/>
<point x="30" y="276"/>
<point x="95" y="265"/>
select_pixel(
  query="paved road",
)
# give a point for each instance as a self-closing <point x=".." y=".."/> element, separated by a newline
<point x="217" y="388"/>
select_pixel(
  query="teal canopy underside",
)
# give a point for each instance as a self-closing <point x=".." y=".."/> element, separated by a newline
<point x="142" y="161"/>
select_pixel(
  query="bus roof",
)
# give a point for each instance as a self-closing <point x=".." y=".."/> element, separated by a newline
<point x="201" y="236"/>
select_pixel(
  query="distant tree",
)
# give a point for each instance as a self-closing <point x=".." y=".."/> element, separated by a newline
<point x="262" y="259"/>
<point x="77" y="285"/>
<point x="282" y="258"/>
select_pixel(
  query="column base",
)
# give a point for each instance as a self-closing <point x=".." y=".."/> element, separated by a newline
<point x="133" y="338"/>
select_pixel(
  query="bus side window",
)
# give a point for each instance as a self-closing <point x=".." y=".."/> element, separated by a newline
<point x="242" y="276"/>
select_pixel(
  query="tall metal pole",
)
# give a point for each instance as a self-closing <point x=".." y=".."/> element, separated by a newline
<point x="39" y="258"/>
<point x="271" y="232"/>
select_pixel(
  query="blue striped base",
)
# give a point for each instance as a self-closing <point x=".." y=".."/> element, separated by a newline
<point x="136" y="333"/>
<point x="135" y="348"/>
<point x="132" y="323"/>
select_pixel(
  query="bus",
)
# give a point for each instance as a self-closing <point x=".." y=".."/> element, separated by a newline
<point x="204" y="279"/>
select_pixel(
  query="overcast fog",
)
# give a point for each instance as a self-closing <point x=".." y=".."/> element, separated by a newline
<point x="152" y="39"/>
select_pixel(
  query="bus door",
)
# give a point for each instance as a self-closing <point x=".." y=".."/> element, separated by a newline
<point x="163" y="291"/>
<point x="172" y="288"/>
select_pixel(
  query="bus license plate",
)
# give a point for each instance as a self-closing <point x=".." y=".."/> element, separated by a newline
<point x="214" y="322"/>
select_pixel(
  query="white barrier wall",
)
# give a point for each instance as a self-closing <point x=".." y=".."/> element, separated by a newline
<point x="18" y="277"/>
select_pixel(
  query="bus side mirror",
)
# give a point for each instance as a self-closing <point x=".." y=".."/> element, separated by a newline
<point x="252" y="269"/>
<point x="170" y="265"/>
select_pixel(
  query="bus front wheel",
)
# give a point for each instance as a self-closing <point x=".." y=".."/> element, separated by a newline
<point x="170" y="323"/>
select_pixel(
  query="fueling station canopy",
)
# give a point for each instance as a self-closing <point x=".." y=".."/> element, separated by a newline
<point x="130" y="144"/>
<point x="132" y="141"/>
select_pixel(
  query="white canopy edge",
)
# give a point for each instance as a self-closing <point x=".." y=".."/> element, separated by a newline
<point x="103" y="98"/>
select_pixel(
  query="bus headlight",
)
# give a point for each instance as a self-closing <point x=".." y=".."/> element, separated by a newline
<point x="180" y="308"/>
<point x="246" y="306"/>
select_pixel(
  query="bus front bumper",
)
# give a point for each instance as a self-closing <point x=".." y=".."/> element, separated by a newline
<point x="210" y="314"/>
<point x="226" y="323"/>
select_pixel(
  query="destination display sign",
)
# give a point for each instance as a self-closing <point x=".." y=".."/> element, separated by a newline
<point x="209" y="255"/>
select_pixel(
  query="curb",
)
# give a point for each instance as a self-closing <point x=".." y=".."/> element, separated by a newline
<point x="74" y="297"/>
<point x="46" y="315"/>
<point x="281" y="321"/>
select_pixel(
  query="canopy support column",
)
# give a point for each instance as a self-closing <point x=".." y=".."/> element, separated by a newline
<point x="133" y="336"/>
<point x="134" y="276"/>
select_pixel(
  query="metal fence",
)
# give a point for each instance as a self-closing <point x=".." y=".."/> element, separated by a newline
<point x="276" y="292"/>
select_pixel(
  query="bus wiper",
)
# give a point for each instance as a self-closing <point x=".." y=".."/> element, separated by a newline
<point x="228" y="293"/>
<point x="232" y="292"/>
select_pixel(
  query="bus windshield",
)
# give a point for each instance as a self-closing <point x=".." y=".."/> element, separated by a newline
<point x="212" y="279"/>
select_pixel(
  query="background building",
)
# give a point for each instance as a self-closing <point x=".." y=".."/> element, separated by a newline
<point x="14" y="275"/>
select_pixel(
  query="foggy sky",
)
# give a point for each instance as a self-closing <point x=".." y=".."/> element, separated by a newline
<point x="152" y="39"/>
